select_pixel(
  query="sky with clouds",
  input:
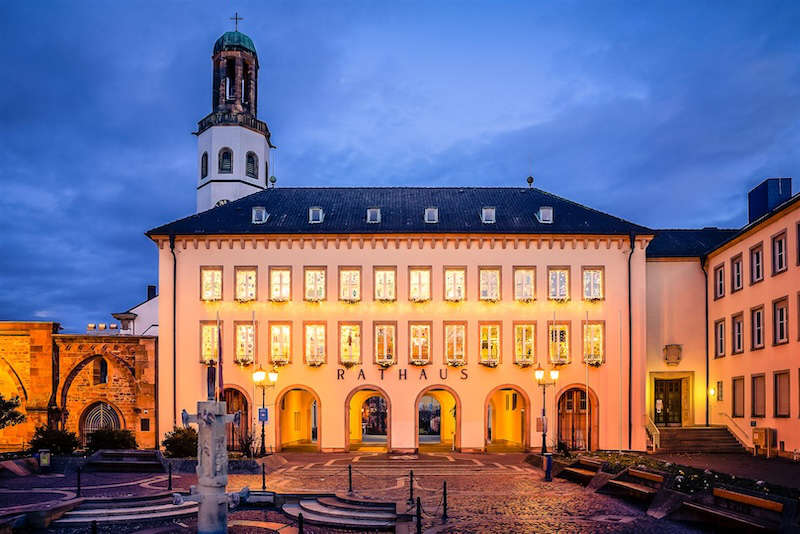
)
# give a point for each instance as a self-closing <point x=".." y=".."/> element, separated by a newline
<point x="664" y="113"/>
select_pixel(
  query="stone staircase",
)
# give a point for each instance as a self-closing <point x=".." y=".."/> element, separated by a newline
<point x="345" y="512"/>
<point x="125" y="510"/>
<point x="703" y="439"/>
<point x="128" y="461"/>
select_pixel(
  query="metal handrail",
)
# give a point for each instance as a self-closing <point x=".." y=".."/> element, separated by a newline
<point x="653" y="430"/>
<point x="740" y="433"/>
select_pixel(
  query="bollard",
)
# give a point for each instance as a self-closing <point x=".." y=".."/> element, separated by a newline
<point x="169" y="487"/>
<point x="300" y="523"/>
<point x="419" y="517"/>
<point x="94" y="527"/>
<point x="263" y="477"/>
<point x="548" y="467"/>
<point x="350" y="478"/>
<point x="78" y="492"/>
<point x="444" y="501"/>
<point x="411" y="487"/>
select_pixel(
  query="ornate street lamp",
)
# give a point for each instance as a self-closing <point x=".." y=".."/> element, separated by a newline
<point x="264" y="380"/>
<point x="539" y="374"/>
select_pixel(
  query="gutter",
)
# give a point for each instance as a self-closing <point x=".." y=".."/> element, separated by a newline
<point x="174" y="331"/>
<point x="630" y="345"/>
<point x="705" y="276"/>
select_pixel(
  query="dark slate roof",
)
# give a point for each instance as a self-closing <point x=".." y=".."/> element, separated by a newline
<point x="679" y="243"/>
<point x="402" y="211"/>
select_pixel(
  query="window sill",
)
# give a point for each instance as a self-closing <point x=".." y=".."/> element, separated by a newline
<point x="781" y="271"/>
<point x="753" y="349"/>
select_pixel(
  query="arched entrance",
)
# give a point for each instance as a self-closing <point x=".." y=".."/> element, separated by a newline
<point x="578" y="420"/>
<point x="438" y="420"/>
<point x="368" y="419"/>
<point x="235" y="401"/>
<point x="507" y="419"/>
<point x="297" y="427"/>
<point x="96" y="416"/>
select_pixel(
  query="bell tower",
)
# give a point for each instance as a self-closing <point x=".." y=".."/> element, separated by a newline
<point x="232" y="144"/>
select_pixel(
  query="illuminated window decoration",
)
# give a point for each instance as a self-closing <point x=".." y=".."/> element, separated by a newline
<point x="315" y="344"/>
<point x="559" y="343"/>
<point x="558" y="284"/>
<point x="489" y="337"/>
<point x="350" y="285"/>
<point x="454" y="282"/>
<point x="593" y="284"/>
<point x="245" y="344"/>
<point x="315" y="285"/>
<point x="245" y="285"/>
<point x="419" y="344"/>
<point x="525" y="344"/>
<point x="455" y="344"/>
<point x="385" y="344"/>
<point x="350" y="344"/>
<point x="384" y="284"/>
<point x="419" y="285"/>
<point x="524" y="285"/>
<point x="280" y="344"/>
<point x="211" y="283"/>
<point x="593" y="343"/>
<point x="209" y="344"/>
<point x="490" y="285"/>
<point x="280" y="285"/>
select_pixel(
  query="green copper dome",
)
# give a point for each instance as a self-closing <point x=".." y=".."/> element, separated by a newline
<point x="234" y="41"/>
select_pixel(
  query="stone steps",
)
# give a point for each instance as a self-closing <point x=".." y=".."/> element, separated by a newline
<point x="698" y="439"/>
<point x="109" y="512"/>
<point x="344" y="512"/>
<point x="127" y="461"/>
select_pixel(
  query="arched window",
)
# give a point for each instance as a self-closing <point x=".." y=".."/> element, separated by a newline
<point x="204" y="165"/>
<point x="252" y="165"/>
<point x="98" y="415"/>
<point x="225" y="161"/>
<point x="100" y="371"/>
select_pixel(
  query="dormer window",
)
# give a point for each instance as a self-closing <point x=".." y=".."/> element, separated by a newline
<point x="431" y="215"/>
<point x="260" y="215"/>
<point x="315" y="215"/>
<point x="373" y="215"/>
<point x="545" y="215"/>
<point x="487" y="215"/>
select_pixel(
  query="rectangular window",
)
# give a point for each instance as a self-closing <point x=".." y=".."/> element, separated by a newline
<point x="525" y="343"/>
<point x="736" y="273"/>
<point x="455" y="340"/>
<point x="209" y="343"/>
<point x="431" y="215"/>
<point x="737" y="334"/>
<point x="487" y="215"/>
<point x="246" y="283"/>
<point x="782" y="394"/>
<point x="280" y="282"/>
<point x="454" y="284"/>
<point x="373" y="215"/>
<point x="756" y="263"/>
<point x="489" y="342"/>
<point x="719" y="281"/>
<point x="210" y="283"/>
<point x="558" y="334"/>
<point x="419" y="343"/>
<point x="779" y="262"/>
<point x="350" y="343"/>
<point x="489" y="283"/>
<point x="719" y="338"/>
<point x="385" y="336"/>
<point x="759" y="396"/>
<point x="315" y="286"/>
<point x="524" y="284"/>
<point x="594" y="342"/>
<point x="558" y="283"/>
<point x="719" y="391"/>
<point x="757" y="328"/>
<point x="245" y="343"/>
<point x="315" y="343"/>
<point x="593" y="283"/>
<point x="384" y="283"/>
<point x="780" y="321"/>
<point x="419" y="284"/>
<point x="280" y="343"/>
<point x="315" y="215"/>
<point x="738" y="397"/>
<point x="144" y="424"/>
<point x="350" y="284"/>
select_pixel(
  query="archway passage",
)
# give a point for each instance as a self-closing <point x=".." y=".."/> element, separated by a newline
<point x="437" y="421"/>
<point x="505" y="421"/>
<point x="238" y="437"/>
<point x="96" y="416"/>
<point x="577" y="420"/>
<point x="298" y="421"/>
<point x="14" y="438"/>
<point x="369" y="421"/>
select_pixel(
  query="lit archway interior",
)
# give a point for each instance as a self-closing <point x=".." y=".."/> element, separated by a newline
<point x="505" y="421"/>
<point x="14" y="437"/>
<point x="369" y="421"/>
<point x="436" y="416"/>
<point x="299" y="421"/>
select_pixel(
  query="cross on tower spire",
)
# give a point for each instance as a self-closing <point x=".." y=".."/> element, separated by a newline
<point x="236" y="18"/>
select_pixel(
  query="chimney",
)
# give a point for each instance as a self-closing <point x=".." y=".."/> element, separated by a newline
<point x="766" y="196"/>
<point x="151" y="292"/>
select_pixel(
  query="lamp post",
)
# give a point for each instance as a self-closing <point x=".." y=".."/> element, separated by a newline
<point x="264" y="380"/>
<point x="539" y="374"/>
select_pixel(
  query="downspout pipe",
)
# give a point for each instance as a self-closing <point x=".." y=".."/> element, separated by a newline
<point x="174" y="330"/>
<point x="630" y="344"/>
<point x="705" y="277"/>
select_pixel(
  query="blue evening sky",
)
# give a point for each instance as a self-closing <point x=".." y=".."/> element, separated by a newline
<point x="664" y="113"/>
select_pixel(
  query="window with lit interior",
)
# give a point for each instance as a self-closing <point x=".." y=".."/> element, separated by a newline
<point x="592" y="283"/>
<point x="419" y="343"/>
<point x="385" y="334"/>
<point x="209" y="343"/>
<point x="489" y="344"/>
<point x="525" y="344"/>
<point x="245" y="343"/>
<point x="524" y="284"/>
<point x="593" y="342"/>
<point x="211" y="283"/>
<point x="350" y="344"/>
<point x="350" y="285"/>
<point x="315" y="344"/>
<point x="385" y="284"/>
<point x="454" y="284"/>
<point x="280" y="343"/>
<point x="558" y="284"/>
<point x="246" y="284"/>
<point x="489" y="284"/>
<point x="559" y="343"/>
<point x="455" y="344"/>
<point x="314" y="284"/>
<point x="419" y="284"/>
<point x="280" y="284"/>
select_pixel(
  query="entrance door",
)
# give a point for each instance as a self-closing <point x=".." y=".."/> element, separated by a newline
<point x="667" y="398"/>
<point x="573" y="415"/>
<point x="236" y="402"/>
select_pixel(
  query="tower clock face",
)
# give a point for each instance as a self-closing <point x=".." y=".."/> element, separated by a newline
<point x="221" y="202"/>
